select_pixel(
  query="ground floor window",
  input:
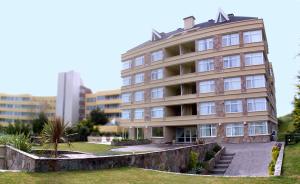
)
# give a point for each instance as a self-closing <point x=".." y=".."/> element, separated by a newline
<point x="186" y="134"/>
<point x="234" y="129"/>
<point x="209" y="130"/>
<point x="157" y="132"/>
<point x="258" y="128"/>
<point x="139" y="133"/>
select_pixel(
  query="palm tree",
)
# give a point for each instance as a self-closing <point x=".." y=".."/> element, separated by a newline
<point x="53" y="133"/>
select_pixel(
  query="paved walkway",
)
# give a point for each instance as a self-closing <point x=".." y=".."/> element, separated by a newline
<point x="146" y="148"/>
<point x="251" y="159"/>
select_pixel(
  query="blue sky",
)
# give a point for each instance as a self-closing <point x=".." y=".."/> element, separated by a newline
<point x="38" y="38"/>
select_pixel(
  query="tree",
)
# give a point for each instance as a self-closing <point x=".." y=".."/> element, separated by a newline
<point x="98" y="117"/>
<point x="84" y="128"/>
<point x="38" y="123"/>
<point x="296" y="111"/>
<point x="53" y="133"/>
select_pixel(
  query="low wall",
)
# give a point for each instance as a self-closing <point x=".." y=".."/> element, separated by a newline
<point x="174" y="160"/>
<point x="212" y="162"/>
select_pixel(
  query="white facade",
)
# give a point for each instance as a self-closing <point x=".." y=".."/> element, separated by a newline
<point x="68" y="97"/>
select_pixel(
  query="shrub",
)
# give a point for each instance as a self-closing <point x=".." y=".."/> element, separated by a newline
<point x="217" y="148"/>
<point x="20" y="141"/>
<point x="209" y="155"/>
<point x="271" y="168"/>
<point x="275" y="155"/>
<point x="193" y="160"/>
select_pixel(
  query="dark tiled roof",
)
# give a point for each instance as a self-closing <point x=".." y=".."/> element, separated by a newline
<point x="207" y="24"/>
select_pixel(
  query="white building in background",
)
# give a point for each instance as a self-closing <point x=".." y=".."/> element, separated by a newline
<point x="70" y="100"/>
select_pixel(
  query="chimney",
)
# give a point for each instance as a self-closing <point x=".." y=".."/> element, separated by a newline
<point x="189" y="22"/>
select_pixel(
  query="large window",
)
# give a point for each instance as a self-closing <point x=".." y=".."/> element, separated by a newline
<point x="256" y="104"/>
<point x="139" y="78"/>
<point x="139" y="61"/>
<point x="126" y="114"/>
<point x="207" y="86"/>
<point x="158" y="132"/>
<point x="157" y="74"/>
<point x="258" y="128"/>
<point x="126" y="97"/>
<point x="127" y="81"/>
<point x="209" y="130"/>
<point x="157" y="112"/>
<point x="207" y="108"/>
<point x="157" y="56"/>
<point x="253" y="36"/>
<point x="254" y="59"/>
<point x="139" y="114"/>
<point x="233" y="106"/>
<point x="232" y="61"/>
<point x="234" y="129"/>
<point x="157" y="93"/>
<point x="255" y="81"/>
<point x="205" y="44"/>
<point x="126" y="64"/>
<point x="91" y="100"/>
<point x="232" y="83"/>
<point x="231" y="39"/>
<point x="139" y="96"/>
<point x="205" y="65"/>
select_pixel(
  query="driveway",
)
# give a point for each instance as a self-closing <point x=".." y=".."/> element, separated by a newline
<point x="250" y="159"/>
<point x="146" y="148"/>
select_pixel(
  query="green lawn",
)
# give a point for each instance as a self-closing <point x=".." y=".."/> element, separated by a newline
<point x="135" y="176"/>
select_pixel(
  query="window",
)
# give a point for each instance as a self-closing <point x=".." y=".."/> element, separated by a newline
<point x="207" y="86"/>
<point x="139" y="61"/>
<point x="100" y="98"/>
<point x="255" y="81"/>
<point x="157" y="93"/>
<point x="157" y="56"/>
<point x="157" y="74"/>
<point x="126" y="64"/>
<point x="258" y="128"/>
<point x="253" y="36"/>
<point x="232" y="83"/>
<point x="157" y="112"/>
<point x="205" y="44"/>
<point x="231" y="39"/>
<point x="231" y="61"/>
<point x="233" y="106"/>
<point x="206" y="65"/>
<point x="236" y="129"/>
<point x="256" y="104"/>
<point x="126" y="81"/>
<point x="209" y="130"/>
<point x="139" y="96"/>
<point x="157" y="132"/>
<point x="91" y="100"/>
<point x="207" y="108"/>
<point x="139" y="78"/>
<point x="126" y="97"/>
<point x="254" y="59"/>
<point x="139" y="114"/>
<point x="126" y="114"/>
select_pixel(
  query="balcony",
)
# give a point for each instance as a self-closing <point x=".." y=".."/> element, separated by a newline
<point x="180" y="89"/>
<point x="180" y="111"/>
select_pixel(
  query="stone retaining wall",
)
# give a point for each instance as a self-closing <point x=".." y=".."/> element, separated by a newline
<point x="174" y="160"/>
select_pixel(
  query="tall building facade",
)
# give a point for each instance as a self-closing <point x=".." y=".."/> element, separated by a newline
<point x="24" y="108"/>
<point x="70" y="97"/>
<point x="211" y="81"/>
<point x="109" y="101"/>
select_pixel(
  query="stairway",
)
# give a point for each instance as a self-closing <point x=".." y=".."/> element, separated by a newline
<point x="223" y="164"/>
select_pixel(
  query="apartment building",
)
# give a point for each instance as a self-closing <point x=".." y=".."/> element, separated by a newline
<point x="109" y="101"/>
<point x="210" y="81"/>
<point x="24" y="108"/>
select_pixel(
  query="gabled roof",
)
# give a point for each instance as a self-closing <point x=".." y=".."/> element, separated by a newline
<point x="222" y="18"/>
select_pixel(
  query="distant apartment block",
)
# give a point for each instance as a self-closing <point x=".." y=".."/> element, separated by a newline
<point x="109" y="101"/>
<point x="211" y="81"/>
<point x="24" y="108"/>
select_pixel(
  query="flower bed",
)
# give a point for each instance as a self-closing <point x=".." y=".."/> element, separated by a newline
<point x="129" y="142"/>
<point x="275" y="153"/>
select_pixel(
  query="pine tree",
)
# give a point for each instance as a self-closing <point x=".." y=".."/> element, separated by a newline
<point x="296" y="111"/>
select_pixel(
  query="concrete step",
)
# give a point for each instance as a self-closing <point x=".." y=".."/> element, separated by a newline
<point x="226" y="157"/>
<point x="224" y="162"/>
<point x="220" y="165"/>
<point x="228" y="154"/>
<point x="218" y="171"/>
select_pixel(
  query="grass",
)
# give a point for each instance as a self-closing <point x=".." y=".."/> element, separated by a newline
<point x="291" y="174"/>
<point x="97" y="149"/>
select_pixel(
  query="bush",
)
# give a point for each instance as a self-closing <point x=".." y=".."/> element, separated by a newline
<point x="271" y="167"/>
<point x="217" y="148"/>
<point x="20" y="141"/>
<point x="275" y="155"/>
<point x="193" y="160"/>
<point x="209" y="155"/>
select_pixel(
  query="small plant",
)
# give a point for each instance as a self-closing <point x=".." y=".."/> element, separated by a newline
<point x="271" y="167"/>
<point x="209" y="155"/>
<point x="19" y="141"/>
<point x="217" y="148"/>
<point x="193" y="160"/>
